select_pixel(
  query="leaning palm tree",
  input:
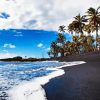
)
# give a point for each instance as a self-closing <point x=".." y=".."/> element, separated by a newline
<point x="94" y="20"/>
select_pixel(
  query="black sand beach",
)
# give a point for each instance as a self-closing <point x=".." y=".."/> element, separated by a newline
<point x="80" y="82"/>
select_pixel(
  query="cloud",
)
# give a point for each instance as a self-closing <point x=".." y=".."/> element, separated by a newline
<point x="4" y="50"/>
<point x="18" y="34"/>
<point x="9" y="46"/>
<point x="43" y="47"/>
<point x="44" y="14"/>
<point x="47" y="49"/>
<point x="7" y="55"/>
<point x="40" y="45"/>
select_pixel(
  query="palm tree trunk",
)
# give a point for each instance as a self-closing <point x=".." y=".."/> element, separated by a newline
<point x="96" y="36"/>
<point x="81" y="31"/>
<point x="62" y="52"/>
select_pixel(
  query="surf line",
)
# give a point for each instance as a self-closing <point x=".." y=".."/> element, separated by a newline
<point x="33" y="90"/>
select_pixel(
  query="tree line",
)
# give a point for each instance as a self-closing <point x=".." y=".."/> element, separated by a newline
<point x="81" y="29"/>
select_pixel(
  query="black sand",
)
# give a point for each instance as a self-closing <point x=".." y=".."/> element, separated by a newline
<point x="80" y="82"/>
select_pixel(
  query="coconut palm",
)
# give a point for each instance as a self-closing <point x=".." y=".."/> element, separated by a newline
<point x="81" y="43"/>
<point x="62" y="28"/>
<point x="73" y="48"/>
<point x="90" y="42"/>
<point x="79" y="23"/>
<point x="54" y="49"/>
<point x="94" y="20"/>
<point x="61" y="38"/>
<point x="71" y="28"/>
<point x="77" y="26"/>
<point x="87" y="28"/>
<point x="60" y="42"/>
<point x="86" y="43"/>
<point x="66" y="48"/>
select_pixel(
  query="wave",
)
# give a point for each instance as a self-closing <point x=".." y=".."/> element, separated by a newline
<point x="33" y="90"/>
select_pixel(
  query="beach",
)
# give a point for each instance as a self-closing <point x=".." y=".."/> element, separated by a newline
<point x="50" y="50"/>
<point x="76" y="78"/>
<point x="80" y="82"/>
<point x="29" y="90"/>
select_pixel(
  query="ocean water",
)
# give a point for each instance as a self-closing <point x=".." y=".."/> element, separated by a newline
<point x="13" y="74"/>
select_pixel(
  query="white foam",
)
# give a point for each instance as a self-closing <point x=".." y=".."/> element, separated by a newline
<point x="33" y="90"/>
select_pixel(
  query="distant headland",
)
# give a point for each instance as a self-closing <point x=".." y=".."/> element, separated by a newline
<point x="21" y="59"/>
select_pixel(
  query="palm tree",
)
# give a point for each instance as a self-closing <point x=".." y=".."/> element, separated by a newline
<point x="66" y="48"/>
<point x="81" y="43"/>
<point x="77" y="26"/>
<point x="71" y="28"/>
<point x="62" y="28"/>
<point x="90" y="42"/>
<point x="54" y="49"/>
<point x="94" y="20"/>
<point x="60" y="42"/>
<point x="79" y="23"/>
<point x="87" y="28"/>
<point x="61" y="39"/>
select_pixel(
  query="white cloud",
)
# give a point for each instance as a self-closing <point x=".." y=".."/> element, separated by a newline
<point x="40" y="45"/>
<point x="18" y="35"/>
<point x="7" y="55"/>
<point x="4" y="50"/>
<point x="42" y="14"/>
<point x="9" y="46"/>
<point x="47" y="49"/>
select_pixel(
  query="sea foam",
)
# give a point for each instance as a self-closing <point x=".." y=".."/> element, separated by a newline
<point x="33" y="90"/>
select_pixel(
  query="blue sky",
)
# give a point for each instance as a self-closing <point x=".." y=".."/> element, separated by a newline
<point x="28" y="19"/>
<point x="31" y="43"/>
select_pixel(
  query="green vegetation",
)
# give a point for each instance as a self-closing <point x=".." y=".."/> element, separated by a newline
<point x="20" y="59"/>
<point x="81" y="42"/>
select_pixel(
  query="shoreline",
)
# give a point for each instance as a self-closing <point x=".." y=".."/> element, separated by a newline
<point x="34" y="89"/>
<point x="80" y="82"/>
